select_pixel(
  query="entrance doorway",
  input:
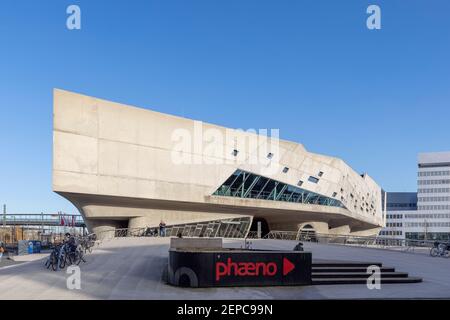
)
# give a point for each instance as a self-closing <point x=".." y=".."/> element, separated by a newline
<point x="264" y="226"/>
<point x="307" y="233"/>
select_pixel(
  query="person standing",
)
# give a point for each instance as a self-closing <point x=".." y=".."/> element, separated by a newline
<point x="2" y="250"/>
<point x="162" y="229"/>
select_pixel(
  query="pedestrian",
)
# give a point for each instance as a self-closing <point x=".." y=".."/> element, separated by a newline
<point x="2" y="250"/>
<point x="162" y="229"/>
<point x="299" y="247"/>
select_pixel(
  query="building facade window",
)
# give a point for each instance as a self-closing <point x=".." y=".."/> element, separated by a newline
<point x="433" y="182"/>
<point x="243" y="184"/>
<point x="313" y="179"/>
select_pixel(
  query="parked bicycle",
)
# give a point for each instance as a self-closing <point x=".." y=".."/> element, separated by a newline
<point x="88" y="243"/>
<point x="440" y="250"/>
<point x="70" y="252"/>
<point x="54" y="258"/>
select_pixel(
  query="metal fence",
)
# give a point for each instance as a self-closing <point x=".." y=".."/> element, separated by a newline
<point x="351" y="240"/>
<point x="305" y="236"/>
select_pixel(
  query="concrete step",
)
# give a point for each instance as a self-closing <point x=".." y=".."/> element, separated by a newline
<point x="330" y="281"/>
<point x="345" y="264"/>
<point x="348" y="269"/>
<point x="335" y="275"/>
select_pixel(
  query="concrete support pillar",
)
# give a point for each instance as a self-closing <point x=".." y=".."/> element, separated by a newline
<point x="318" y="227"/>
<point x="341" y="231"/>
<point x="140" y="222"/>
<point x="104" y="229"/>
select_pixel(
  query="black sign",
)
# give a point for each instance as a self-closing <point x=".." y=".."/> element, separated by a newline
<point x="239" y="268"/>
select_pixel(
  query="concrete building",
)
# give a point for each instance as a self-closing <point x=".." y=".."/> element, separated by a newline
<point x="123" y="166"/>
<point x="425" y="214"/>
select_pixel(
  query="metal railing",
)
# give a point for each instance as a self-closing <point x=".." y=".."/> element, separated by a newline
<point x="352" y="240"/>
<point x="41" y="219"/>
<point x="281" y="235"/>
<point x="305" y="236"/>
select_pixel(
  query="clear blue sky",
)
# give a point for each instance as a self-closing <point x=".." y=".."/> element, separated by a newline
<point x="310" y="68"/>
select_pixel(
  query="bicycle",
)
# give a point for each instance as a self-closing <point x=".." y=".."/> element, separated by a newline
<point x="53" y="259"/>
<point x="65" y="254"/>
<point x="440" y="250"/>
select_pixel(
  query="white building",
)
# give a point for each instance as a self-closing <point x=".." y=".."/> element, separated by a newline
<point x="433" y="195"/>
<point x="401" y="209"/>
<point x="427" y="215"/>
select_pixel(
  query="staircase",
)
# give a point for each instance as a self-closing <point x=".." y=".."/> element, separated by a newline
<point x="339" y="272"/>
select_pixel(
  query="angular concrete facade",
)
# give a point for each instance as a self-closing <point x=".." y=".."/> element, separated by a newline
<point x="123" y="166"/>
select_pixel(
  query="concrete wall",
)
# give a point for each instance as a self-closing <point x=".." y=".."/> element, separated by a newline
<point x="117" y="163"/>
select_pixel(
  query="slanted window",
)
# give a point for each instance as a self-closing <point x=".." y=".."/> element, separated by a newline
<point x="270" y="155"/>
<point x="285" y="169"/>
<point x="313" y="179"/>
<point x="235" y="152"/>
<point x="300" y="183"/>
<point x="320" y="174"/>
<point x="334" y="194"/>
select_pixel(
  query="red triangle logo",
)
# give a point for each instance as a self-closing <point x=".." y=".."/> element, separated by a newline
<point x="287" y="266"/>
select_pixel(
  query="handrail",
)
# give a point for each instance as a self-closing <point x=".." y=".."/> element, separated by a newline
<point x="350" y="240"/>
<point x="303" y="235"/>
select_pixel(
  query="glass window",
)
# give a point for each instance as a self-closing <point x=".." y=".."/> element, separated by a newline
<point x="313" y="179"/>
<point x="244" y="184"/>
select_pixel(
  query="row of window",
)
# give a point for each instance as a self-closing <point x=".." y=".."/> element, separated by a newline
<point x="316" y="180"/>
<point x="431" y="182"/>
<point x="428" y="216"/>
<point x="433" y="173"/>
<point x="391" y="233"/>
<point x="394" y="216"/>
<point x="434" y="190"/>
<point x="434" y="207"/>
<point x="427" y="224"/>
<point x="433" y="199"/>
<point x="244" y="184"/>
<point x="428" y="236"/>
<point x="286" y="169"/>
<point x="401" y="205"/>
<point x="394" y="224"/>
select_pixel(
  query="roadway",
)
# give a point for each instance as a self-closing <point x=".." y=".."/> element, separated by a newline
<point x="133" y="268"/>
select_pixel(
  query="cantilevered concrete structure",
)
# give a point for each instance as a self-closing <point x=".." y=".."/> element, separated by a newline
<point x="123" y="166"/>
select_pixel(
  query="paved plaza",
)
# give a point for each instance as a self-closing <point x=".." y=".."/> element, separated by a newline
<point x="133" y="268"/>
